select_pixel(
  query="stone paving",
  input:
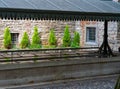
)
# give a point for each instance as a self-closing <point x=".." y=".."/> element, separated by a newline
<point x="98" y="83"/>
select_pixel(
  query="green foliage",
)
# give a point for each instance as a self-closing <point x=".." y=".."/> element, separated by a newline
<point x="76" y="40"/>
<point x="52" y="38"/>
<point x="35" y="39"/>
<point x="45" y="46"/>
<point x="7" y="59"/>
<point x="35" y="46"/>
<point x="25" y="41"/>
<point x="66" y="37"/>
<point x="49" y="46"/>
<point x="52" y="46"/>
<point x="7" y="38"/>
<point x="117" y="86"/>
<point x="15" y="47"/>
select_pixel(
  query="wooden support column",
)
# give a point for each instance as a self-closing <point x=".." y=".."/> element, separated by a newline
<point x="105" y="49"/>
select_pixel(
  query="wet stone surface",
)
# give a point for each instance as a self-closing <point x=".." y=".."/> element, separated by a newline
<point x="98" y="83"/>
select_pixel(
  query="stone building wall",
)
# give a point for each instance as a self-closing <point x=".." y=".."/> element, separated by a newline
<point x="44" y="26"/>
<point x="112" y="34"/>
<point x="118" y="35"/>
<point x="118" y="29"/>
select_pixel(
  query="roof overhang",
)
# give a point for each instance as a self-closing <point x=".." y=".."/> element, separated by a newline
<point x="111" y="13"/>
<point x="56" y="15"/>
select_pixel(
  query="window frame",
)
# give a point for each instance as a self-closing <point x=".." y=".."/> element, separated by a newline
<point x="90" y="42"/>
<point x="14" y="36"/>
<point x="88" y="29"/>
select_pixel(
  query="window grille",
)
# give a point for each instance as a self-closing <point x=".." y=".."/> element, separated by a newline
<point x="90" y="34"/>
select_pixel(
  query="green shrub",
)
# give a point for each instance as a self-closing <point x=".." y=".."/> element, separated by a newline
<point x="52" y="38"/>
<point x="52" y="46"/>
<point x="15" y="47"/>
<point x="66" y="38"/>
<point x="35" y="46"/>
<point x="7" y="59"/>
<point x="76" y="40"/>
<point x="35" y="39"/>
<point x="7" y="38"/>
<point x="45" y="46"/>
<point x="25" y="41"/>
<point x="117" y="86"/>
<point x="35" y="36"/>
<point x="48" y="46"/>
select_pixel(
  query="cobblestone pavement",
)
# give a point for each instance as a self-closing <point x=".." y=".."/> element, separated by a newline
<point x="101" y="83"/>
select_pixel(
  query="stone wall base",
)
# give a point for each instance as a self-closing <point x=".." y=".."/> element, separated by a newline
<point x="18" y="74"/>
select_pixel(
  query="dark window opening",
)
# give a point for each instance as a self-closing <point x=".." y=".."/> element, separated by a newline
<point x="90" y="34"/>
<point x="14" y="38"/>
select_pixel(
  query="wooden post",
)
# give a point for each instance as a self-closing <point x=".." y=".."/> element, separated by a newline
<point x="105" y="49"/>
<point x="105" y="38"/>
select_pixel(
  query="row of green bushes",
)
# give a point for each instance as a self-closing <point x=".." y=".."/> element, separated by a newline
<point x="36" y="42"/>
